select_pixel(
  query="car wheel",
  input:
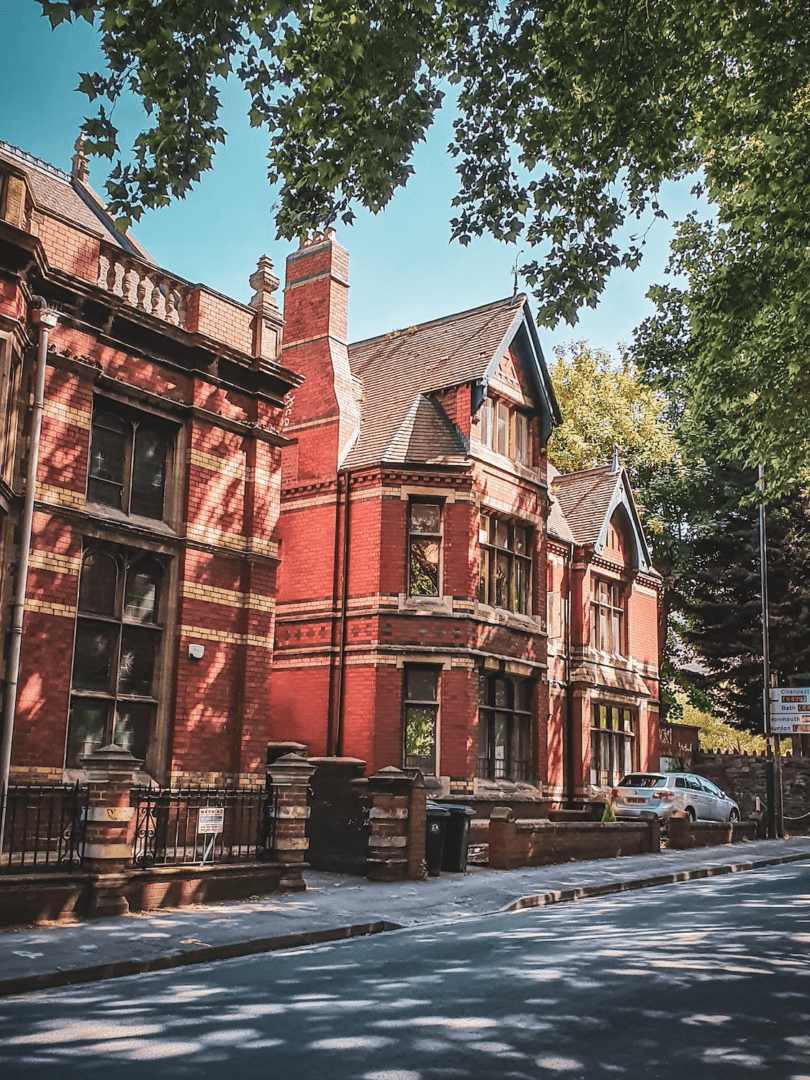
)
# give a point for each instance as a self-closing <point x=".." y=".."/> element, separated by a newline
<point x="690" y="813"/>
<point x="733" y="815"/>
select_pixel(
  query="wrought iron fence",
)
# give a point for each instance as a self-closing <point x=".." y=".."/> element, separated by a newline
<point x="202" y="825"/>
<point x="44" y="827"/>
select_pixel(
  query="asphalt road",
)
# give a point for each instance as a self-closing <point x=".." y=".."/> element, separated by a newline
<point x="705" y="979"/>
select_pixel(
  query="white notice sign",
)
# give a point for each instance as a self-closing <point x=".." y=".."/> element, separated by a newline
<point x="211" y="819"/>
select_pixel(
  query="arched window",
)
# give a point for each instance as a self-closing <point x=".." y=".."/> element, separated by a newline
<point x="504" y="728"/>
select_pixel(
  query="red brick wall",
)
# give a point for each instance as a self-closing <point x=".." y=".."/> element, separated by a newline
<point x="218" y="706"/>
<point x="642" y="624"/>
<point x="299" y="705"/>
<point x="68" y="248"/>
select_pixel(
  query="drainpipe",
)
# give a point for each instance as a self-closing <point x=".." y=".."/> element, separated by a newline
<point x="45" y="319"/>
<point x="331" y="710"/>
<point x="569" y="692"/>
<point x="344" y="593"/>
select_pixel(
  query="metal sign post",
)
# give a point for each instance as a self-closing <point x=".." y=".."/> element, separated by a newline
<point x="773" y="764"/>
<point x="210" y="822"/>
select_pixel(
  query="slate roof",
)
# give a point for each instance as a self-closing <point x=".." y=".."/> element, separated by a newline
<point x="584" y="498"/>
<point x="57" y="192"/>
<point x="557" y="524"/>
<point x="397" y="372"/>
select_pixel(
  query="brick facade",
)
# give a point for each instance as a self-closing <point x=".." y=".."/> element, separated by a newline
<point x="371" y="557"/>
<point x="351" y="628"/>
<point x="176" y="666"/>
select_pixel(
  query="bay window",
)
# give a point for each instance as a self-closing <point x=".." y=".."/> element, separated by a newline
<point x="506" y="563"/>
<point x="424" y="545"/>
<point x="613" y="744"/>
<point x="420" y="719"/>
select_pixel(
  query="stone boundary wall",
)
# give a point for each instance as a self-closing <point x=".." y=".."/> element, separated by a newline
<point x="742" y="776"/>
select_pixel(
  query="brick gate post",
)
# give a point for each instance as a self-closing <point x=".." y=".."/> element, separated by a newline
<point x="110" y="828"/>
<point x="289" y="783"/>
<point x="389" y="793"/>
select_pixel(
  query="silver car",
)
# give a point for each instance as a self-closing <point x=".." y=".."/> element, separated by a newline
<point x="664" y="793"/>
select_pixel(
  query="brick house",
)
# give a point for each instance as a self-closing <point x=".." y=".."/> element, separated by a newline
<point x="377" y="561"/>
<point x="150" y="598"/>
<point x="446" y="600"/>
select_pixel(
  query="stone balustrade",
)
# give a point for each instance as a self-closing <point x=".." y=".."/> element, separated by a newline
<point x="144" y="287"/>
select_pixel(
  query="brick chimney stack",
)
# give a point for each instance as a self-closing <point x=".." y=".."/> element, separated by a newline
<point x="325" y="412"/>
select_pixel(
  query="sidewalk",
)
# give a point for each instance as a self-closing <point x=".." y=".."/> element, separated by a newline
<point x="336" y="906"/>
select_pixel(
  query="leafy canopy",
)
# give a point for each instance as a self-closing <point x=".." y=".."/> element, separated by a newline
<point x="605" y="404"/>
<point x="570" y="115"/>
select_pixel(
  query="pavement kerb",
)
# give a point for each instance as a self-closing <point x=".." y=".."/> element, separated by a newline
<point x="99" y="972"/>
<point x="232" y="950"/>
<point x="585" y="892"/>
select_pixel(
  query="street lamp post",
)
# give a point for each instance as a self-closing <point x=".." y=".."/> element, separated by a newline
<point x="773" y="762"/>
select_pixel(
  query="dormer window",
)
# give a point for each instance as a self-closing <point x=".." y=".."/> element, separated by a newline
<point x="505" y="429"/>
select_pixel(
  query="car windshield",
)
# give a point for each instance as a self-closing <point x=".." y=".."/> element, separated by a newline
<point x="643" y="780"/>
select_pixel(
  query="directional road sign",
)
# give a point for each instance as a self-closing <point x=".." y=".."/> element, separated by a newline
<point x="790" y="710"/>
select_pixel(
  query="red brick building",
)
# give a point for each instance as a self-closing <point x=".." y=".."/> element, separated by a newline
<point x="150" y="585"/>
<point x="372" y="557"/>
<point x="440" y="605"/>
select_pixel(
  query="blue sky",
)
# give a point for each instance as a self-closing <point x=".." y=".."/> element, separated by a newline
<point x="403" y="269"/>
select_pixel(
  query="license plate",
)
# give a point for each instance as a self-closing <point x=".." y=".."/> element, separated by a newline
<point x="631" y="798"/>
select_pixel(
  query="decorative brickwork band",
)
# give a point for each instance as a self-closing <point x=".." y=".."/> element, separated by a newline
<point x="288" y="778"/>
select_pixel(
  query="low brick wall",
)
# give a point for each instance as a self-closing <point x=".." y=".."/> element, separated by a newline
<point x="684" y="834"/>
<point x="484" y="805"/>
<point x="180" y="886"/>
<point x="42" y="898"/>
<point x="58" y="897"/>
<point x="540" y="842"/>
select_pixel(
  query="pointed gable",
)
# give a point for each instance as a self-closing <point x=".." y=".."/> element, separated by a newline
<point x="471" y="347"/>
<point x="589" y="499"/>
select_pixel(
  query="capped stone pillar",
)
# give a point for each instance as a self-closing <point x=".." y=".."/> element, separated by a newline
<point x="289" y="778"/>
<point x="109" y="831"/>
<point x="389" y="793"/>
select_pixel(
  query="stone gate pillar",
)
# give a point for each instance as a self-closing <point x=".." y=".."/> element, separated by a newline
<point x="110" y="827"/>
<point x="390" y="792"/>
<point x="289" y="786"/>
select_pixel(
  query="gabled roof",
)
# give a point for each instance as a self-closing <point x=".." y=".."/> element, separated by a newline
<point x="396" y="370"/>
<point x="589" y="498"/>
<point x="57" y="192"/>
